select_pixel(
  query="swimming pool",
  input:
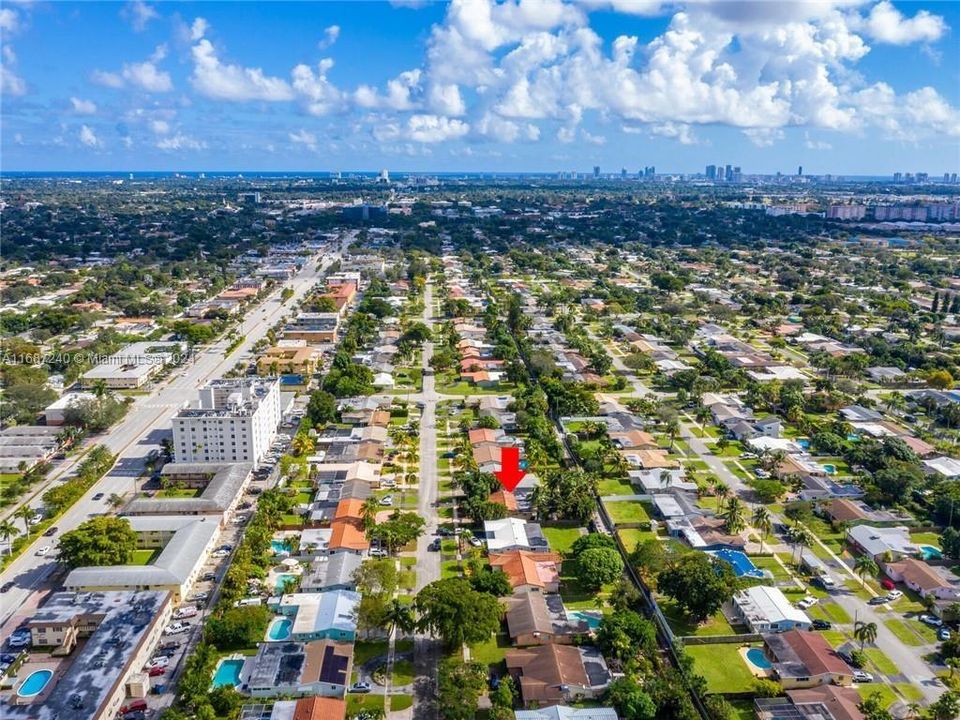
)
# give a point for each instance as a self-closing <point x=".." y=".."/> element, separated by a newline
<point x="228" y="673"/>
<point x="758" y="658"/>
<point x="35" y="683"/>
<point x="804" y="443"/>
<point x="830" y="469"/>
<point x="279" y="546"/>
<point x="929" y="552"/>
<point x="282" y="581"/>
<point x="591" y="619"/>
<point x="280" y="629"/>
<point x="742" y="565"/>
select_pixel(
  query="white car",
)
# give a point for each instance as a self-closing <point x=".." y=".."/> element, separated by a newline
<point x="159" y="661"/>
<point x="862" y="677"/>
<point x="807" y="602"/>
<point x="219" y="553"/>
<point x="175" y="628"/>
<point x="45" y="550"/>
<point x="378" y="553"/>
<point x="894" y="595"/>
<point x="386" y="500"/>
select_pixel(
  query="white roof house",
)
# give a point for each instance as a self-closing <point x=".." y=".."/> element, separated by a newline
<point x="770" y="443"/>
<point x="878" y="541"/>
<point x="946" y="466"/>
<point x="513" y="534"/>
<point x="766" y="609"/>
<point x="562" y="712"/>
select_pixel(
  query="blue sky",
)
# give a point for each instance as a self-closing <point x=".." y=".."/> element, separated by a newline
<point x="839" y="86"/>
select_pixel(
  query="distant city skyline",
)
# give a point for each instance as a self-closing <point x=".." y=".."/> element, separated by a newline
<point x="858" y="88"/>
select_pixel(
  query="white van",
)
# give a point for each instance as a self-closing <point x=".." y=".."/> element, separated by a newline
<point x="187" y="611"/>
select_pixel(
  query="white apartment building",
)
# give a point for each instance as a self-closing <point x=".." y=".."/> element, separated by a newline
<point x="235" y="421"/>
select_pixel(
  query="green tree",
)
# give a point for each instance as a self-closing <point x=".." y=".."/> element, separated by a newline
<point x="733" y="516"/>
<point x="630" y="700"/>
<point x="459" y="687"/>
<point x="322" y="408"/>
<point x="625" y="633"/>
<point x="453" y="611"/>
<point x="865" y="566"/>
<point x="237" y="627"/>
<point x="865" y="632"/>
<point x="598" y="566"/>
<point x="100" y="541"/>
<point x="7" y="531"/>
<point x="699" y="584"/>
<point x="762" y="522"/>
<point x="946" y="707"/>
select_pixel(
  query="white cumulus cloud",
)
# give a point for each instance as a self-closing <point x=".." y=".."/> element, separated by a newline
<point x="435" y="128"/>
<point x="223" y="81"/>
<point x="139" y="14"/>
<point x="88" y="137"/>
<point x="886" y="24"/>
<point x="330" y="35"/>
<point x="303" y="137"/>
<point x="180" y="142"/>
<point x="83" y="107"/>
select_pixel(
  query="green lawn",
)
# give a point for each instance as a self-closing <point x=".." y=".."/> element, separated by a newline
<point x="400" y="702"/>
<point x="403" y="673"/>
<point x="903" y="629"/>
<point x="926" y="538"/>
<point x="722" y="667"/>
<point x="631" y="536"/>
<point x="178" y="493"/>
<point x="561" y="539"/>
<point x="364" y="650"/>
<point x="771" y="564"/>
<point x="827" y="610"/>
<point x="492" y="651"/>
<point x="615" y="486"/>
<point x="682" y="625"/>
<point x="625" y="512"/>
<point x="885" y="691"/>
<point x="144" y="557"/>
<point x="356" y="703"/>
<point x="880" y="661"/>
<point x="575" y="596"/>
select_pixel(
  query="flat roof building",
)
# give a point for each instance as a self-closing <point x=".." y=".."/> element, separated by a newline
<point x="766" y="609"/>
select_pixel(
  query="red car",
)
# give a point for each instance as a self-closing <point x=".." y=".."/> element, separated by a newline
<point x="133" y="707"/>
<point x="888" y="584"/>
<point x="154" y="671"/>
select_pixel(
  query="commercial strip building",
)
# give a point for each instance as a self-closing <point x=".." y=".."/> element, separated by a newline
<point x="184" y="543"/>
<point x="234" y="421"/>
<point x="313" y="327"/>
<point x="134" y="365"/>
<point x="219" y="488"/>
<point x="100" y="641"/>
<point x="23" y="446"/>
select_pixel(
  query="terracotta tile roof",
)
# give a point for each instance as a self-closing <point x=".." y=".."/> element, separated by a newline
<point x="918" y="573"/>
<point x="320" y="708"/>
<point x="545" y="669"/>
<point x="349" y="509"/>
<point x="486" y="453"/>
<point x="484" y="435"/>
<point x="347" y="535"/>
<point x="525" y="568"/>
<point x="505" y="498"/>
<point x="842" y="702"/>
<point x="844" y="510"/>
<point x="815" y="652"/>
<point x="380" y="418"/>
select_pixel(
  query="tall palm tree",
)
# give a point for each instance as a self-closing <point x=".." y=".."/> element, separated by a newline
<point x="800" y="537"/>
<point x="25" y="513"/>
<point x="7" y="531"/>
<point x="400" y="616"/>
<point x="761" y="521"/>
<point x="865" y="565"/>
<point x="368" y="512"/>
<point x="733" y="516"/>
<point x="722" y="491"/>
<point x="666" y="478"/>
<point x="865" y="632"/>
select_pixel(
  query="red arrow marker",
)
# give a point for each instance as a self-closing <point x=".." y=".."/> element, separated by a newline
<point x="510" y="473"/>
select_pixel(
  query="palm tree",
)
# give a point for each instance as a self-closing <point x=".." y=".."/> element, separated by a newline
<point x="801" y="537"/>
<point x="722" y="491"/>
<point x="25" y="513"/>
<point x="368" y="512"/>
<point x="7" y="531"/>
<point x="115" y="500"/>
<point x="733" y="516"/>
<point x="761" y="521"/>
<point x="865" y="632"/>
<point x="865" y="565"/>
<point x="914" y="708"/>
<point x="399" y="615"/>
<point x="99" y="388"/>
<point x="666" y="478"/>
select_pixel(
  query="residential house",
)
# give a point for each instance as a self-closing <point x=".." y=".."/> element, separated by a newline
<point x="535" y="618"/>
<point x="529" y="570"/>
<point x="924" y="579"/>
<point x="514" y="534"/>
<point x="883" y="544"/>
<point x="766" y="609"/>
<point x="552" y="674"/>
<point x="803" y="659"/>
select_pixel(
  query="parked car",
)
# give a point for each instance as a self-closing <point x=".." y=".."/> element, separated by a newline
<point x="862" y="677"/>
<point x="208" y="577"/>
<point x="175" y="628"/>
<point x="887" y="584"/>
<point x="821" y="625"/>
<point x="199" y="597"/>
<point x="133" y="706"/>
<point x="167" y="652"/>
<point x="879" y="600"/>
<point x="44" y="551"/>
<point x="7" y="586"/>
<point x="475" y="541"/>
<point x="434" y="546"/>
<point x="931" y="620"/>
<point x="50" y="531"/>
<point x="894" y="595"/>
<point x="378" y="553"/>
<point x="187" y="611"/>
<point x="157" y="670"/>
<point x="159" y="661"/>
<point x="98" y="496"/>
<point x="943" y="634"/>
<point x="386" y="500"/>
<point x="19" y="639"/>
<point x="360" y="687"/>
<point x="808" y="602"/>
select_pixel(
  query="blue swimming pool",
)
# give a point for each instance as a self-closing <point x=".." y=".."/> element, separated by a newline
<point x="35" y="683"/>
<point x="280" y="629"/>
<point x="742" y="565"/>
<point x="279" y="546"/>
<point x="591" y="619"/>
<point x="929" y="552"/>
<point x="804" y="443"/>
<point x="830" y="469"/>
<point x="282" y="581"/>
<point x="758" y="658"/>
<point x="228" y="673"/>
